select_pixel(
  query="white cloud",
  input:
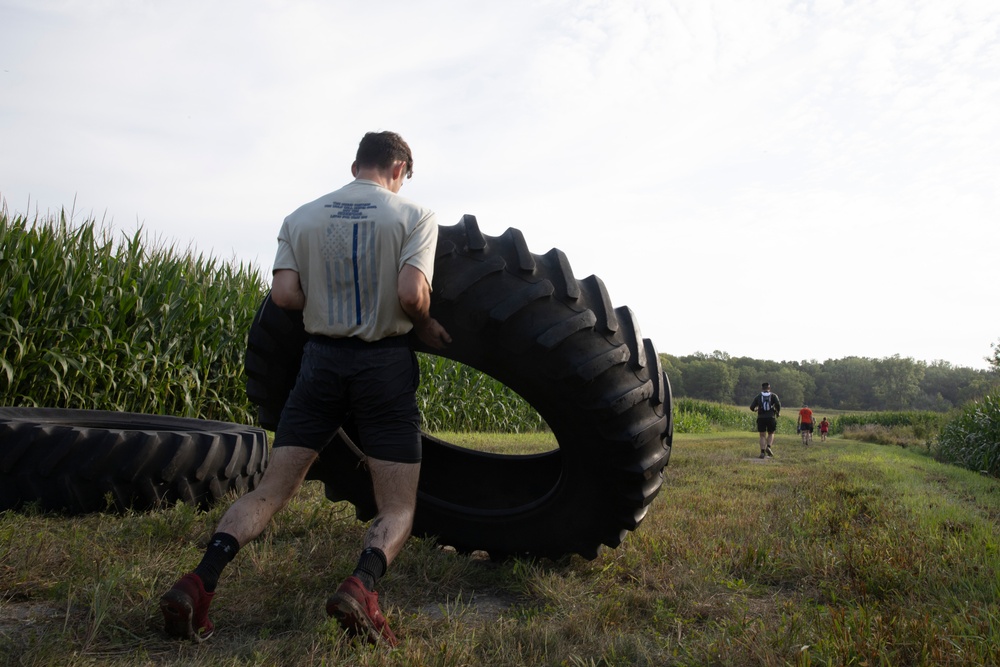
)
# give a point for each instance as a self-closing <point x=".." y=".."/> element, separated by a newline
<point x="677" y="149"/>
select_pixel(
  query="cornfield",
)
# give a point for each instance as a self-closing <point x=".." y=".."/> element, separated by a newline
<point x="696" y="416"/>
<point x="455" y="397"/>
<point x="972" y="439"/>
<point x="88" y="321"/>
<point x="91" y="323"/>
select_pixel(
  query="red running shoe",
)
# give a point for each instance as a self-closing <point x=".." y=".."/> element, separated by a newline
<point x="356" y="609"/>
<point x="185" y="609"/>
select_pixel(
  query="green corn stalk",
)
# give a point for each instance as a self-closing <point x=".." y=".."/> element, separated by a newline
<point x="92" y="322"/>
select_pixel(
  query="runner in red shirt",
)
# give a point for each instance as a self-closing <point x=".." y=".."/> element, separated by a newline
<point x="824" y="429"/>
<point x="805" y="424"/>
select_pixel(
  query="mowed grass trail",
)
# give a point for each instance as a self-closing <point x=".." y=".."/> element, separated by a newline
<point x="837" y="553"/>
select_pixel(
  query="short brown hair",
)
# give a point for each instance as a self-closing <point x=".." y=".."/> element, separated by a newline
<point x="382" y="149"/>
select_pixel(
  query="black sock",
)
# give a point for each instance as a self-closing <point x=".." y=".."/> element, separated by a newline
<point x="221" y="549"/>
<point x="371" y="566"/>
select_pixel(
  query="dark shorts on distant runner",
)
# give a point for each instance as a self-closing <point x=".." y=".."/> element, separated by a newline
<point x="375" y="383"/>
<point x="806" y="426"/>
<point x="767" y="424"/>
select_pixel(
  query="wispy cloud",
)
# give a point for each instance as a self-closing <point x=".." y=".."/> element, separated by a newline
<point x="680" y="150"/>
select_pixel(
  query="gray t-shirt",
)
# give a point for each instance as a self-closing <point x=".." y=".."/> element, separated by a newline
<point x="348" y="248"/>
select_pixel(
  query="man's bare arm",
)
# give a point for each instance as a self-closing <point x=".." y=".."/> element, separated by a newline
<point x="415" y="298"/>
<point x="286" y="290"/>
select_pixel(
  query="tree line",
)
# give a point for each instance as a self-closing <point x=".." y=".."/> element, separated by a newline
<point x="851" y="383"/>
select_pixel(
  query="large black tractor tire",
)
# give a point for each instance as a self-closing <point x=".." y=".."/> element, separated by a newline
<point x="79" y="461"/>
<point x="525" y="320"/>
<point x="274" y="354"/>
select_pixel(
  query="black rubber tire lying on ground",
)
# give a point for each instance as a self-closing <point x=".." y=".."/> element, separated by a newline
<point x="79" y="461"/>
<point x="558" y="342"/>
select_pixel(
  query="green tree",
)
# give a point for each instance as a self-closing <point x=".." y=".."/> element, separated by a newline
<point x="671" y="366"/>
<point x="850" y="383"/>
<point x="748" y="379"/>
<point x="897" y="382"/>
<point x="821" y="392"/>
<point x="710" y="380"/>
<point x="941" y="386"/>
<point x="955" y="385"/>
<point x="977" y="384"/>
<point x="792" y="385"/>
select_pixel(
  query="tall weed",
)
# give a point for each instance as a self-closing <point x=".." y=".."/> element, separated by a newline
<point x="924" y="423"/>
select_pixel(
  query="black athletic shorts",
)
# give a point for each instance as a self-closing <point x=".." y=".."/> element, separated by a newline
<point x="806" y="427"/>
<point x="768" y="424"/>
<point x="375" y="383"/>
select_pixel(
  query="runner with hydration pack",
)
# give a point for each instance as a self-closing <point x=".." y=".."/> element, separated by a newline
<point x="768" y="407"/>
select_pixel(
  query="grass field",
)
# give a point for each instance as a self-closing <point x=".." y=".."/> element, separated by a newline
<point x="839" y="553"/>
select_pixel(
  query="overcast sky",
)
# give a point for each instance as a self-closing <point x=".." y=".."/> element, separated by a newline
<point x="781" y="180"/>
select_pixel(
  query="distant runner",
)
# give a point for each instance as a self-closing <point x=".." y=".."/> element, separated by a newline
<point x="805" y="424"/>
<point x="768" y="407"/>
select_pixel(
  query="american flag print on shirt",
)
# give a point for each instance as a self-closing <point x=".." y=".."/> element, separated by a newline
<point x="349" y="259"/>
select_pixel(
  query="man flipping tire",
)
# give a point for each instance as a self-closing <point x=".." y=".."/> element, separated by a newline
<point x="359" y="263"/>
